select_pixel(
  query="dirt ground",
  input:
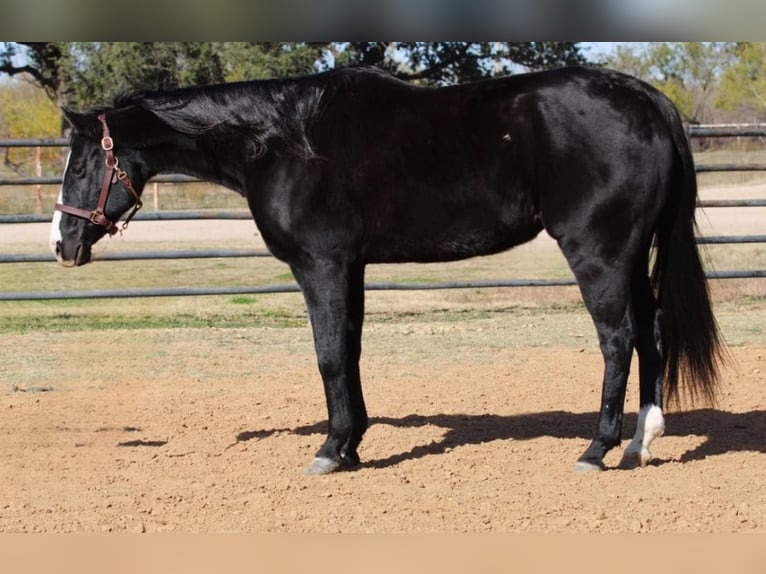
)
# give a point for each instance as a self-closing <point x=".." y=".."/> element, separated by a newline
<point x="212" y="434"/>
<point x="474" y="428"/>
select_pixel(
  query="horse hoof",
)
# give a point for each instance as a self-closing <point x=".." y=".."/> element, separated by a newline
<point x="582" y="466"/>
<point x="321" y="465"/>
<point x="635" y="458"/>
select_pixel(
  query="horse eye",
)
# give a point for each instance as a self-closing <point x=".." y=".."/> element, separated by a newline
<point x="77" y="170"/>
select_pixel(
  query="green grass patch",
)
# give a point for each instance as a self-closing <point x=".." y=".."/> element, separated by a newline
<point x="243" y="300"/>
<point x="84" y="321"/>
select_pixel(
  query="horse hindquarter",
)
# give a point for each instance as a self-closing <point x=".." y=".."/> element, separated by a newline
<point x="611" y="163"/>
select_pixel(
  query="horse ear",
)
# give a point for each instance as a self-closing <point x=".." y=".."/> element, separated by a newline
<point x="86" y="124"/>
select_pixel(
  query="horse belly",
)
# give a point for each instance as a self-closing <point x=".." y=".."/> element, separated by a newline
<point x="430" y="235"/>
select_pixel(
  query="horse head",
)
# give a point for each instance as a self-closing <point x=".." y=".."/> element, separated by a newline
<point x="103" y="179"/>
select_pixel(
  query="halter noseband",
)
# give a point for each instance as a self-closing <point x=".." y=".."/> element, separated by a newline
<point x="112" y="174"/>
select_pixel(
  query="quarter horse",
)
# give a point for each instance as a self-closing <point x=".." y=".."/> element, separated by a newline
<point x="352" y="166"/>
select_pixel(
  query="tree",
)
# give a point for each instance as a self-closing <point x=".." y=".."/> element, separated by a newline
<point x="39" y="60"/>
<point x="632" y="59"/>
<point x="26" y="112"/>
<point x="92" y="73"/>
<point x="687" y="72"/>
<point x="438" y="63"/>
<point x="83" y="74"/>
<point x="245" y="60"/>
<point x="743" y="83"/>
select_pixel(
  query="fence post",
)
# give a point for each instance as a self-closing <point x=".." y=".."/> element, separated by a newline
<point x="38" y="188"/>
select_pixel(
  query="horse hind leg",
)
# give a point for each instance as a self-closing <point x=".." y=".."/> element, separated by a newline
<point x="605" y="287"/>
<point x="615" y="332"/>
<point x="651" y="422"/>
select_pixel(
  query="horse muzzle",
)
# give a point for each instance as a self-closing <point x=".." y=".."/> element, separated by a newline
<point x="79" y="254"/>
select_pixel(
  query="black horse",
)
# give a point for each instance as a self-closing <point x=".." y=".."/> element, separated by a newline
<point x="352" y="166"/>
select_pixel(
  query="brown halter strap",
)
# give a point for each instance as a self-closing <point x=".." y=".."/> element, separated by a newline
<point x="112" y="174"/>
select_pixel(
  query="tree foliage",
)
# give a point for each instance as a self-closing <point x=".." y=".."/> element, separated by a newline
<point x="26" y="112"/>
<point x="743" y="83"/>
<point x="438" y="63"/>
<point x="93" y="73"/>
<point x="38" y="60"/>
<point x="687" y="72"/>
<point x="708" y="81"/>
<point x="246" y="61"/>
<point x="83" y="74"/>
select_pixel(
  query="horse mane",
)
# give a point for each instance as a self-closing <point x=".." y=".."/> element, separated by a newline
<point x="274" y="113"/>
<point x="277" y="113"/>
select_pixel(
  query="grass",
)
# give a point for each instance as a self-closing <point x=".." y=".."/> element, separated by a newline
<point x="287" y="310"/>
<point x="278" y="311"/>
<point x="734" y="153"/>
<point x="273" y="310"/>
<point x="243" y="300"/>
<point x="80" y="319"/>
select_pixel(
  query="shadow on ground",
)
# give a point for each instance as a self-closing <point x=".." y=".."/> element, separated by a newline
<point x="724" y="432"/>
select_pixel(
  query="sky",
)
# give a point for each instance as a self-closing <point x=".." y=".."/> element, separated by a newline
<point x="596" y="49"/>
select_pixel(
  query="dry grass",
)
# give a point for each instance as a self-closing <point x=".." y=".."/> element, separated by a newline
<point x="555" y="312"/>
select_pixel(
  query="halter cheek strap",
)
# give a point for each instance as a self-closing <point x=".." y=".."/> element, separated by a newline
<point x="112" y="173"/>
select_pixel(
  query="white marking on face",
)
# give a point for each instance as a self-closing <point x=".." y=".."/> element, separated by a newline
<point x="651" y="424"/>
<point x="55" y="233"/>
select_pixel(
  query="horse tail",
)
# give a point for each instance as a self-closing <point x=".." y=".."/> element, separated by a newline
<point x="692" y="347"/>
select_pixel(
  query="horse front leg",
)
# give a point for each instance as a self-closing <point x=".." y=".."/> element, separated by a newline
<point x="334" y="292"/>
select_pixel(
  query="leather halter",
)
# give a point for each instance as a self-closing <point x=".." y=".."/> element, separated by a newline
<point x="112" y="174"/>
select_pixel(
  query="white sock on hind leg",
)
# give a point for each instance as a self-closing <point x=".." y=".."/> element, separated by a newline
<point x="651" y="424"/>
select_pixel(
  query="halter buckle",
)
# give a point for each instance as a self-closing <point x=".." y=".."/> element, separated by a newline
<point x="97" y="217"/>
<point x="107" y="144"/>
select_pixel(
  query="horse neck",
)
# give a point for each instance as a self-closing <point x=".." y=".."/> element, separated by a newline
<point x="244" y="120"/>
<point x="202" y="159"/>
